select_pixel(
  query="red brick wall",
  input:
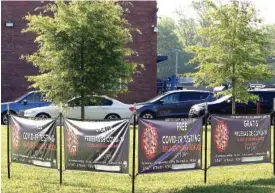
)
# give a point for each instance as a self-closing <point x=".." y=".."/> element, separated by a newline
<point x="14" y="44"/>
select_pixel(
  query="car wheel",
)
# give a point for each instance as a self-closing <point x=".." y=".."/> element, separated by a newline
<point x="148" y="115"/>
<point x="4" y="118"/>
<point x="43" y="116"/>
<point x="112" y="117"/>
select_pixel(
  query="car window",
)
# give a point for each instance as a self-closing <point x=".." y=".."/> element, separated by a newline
<point x="202" y="95"/>
<point x="100" y="101"/>
<point x="171" y="98"/>
<point x="90" y="101"/>
<point x="107" y="102"/>
<point x="223" y="99"/>
<point x="156" y="98"/>
<point x="266" y="97"/>
<point x="96" y="101"/>
<point x="75" y="102"/>
<point x="186" y="96"/>
<point x="33" y="97"/>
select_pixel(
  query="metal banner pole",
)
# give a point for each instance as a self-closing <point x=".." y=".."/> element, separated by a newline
<point x="134" y="155"/>
<point x="273" y="136"/>
<point x="205" y="146"/>
<point x="8" y="140"/>
<point x="60" y="147"/>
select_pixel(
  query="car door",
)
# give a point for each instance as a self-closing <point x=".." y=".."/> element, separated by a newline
<point x="266" y="101"/>
<point x="32" y="100"/>
<point x="106" y="108"/>
<point x="240" y="108"/>
<point x="183" y="104"/>
<point x="95" y="109"/>
<point x="224" y="107"/>
<point x="251" y="107"/>
<point x="167" y="105"/>
<point x="188" y="99"/>
<point x="74" y="109"/>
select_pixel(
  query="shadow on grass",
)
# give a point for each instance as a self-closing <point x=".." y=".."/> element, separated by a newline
<point x="95" y="188"/>
<point x="259" y="182"/>
<point x="225" y="189"/>
<point x="255" y="186"/>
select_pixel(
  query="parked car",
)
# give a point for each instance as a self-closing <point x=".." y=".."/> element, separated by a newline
<point x="30" y="100"/>
<point x="223" y="105"/>
<point x="96" y="108"/>
<point x="172" y="104"/>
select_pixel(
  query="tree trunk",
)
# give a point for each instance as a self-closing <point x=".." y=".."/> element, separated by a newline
<point x="233" y="91"/>
<point x="233" y="100"/>
<point x="82" y="106"/>
<point x="82" y="94"/>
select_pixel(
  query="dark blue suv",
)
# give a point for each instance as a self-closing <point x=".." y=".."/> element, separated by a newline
<point x="30" y="100"/>
<point x="172" y="104"/>
<point x="223" y="105"/>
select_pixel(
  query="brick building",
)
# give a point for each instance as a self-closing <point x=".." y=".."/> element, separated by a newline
<point x="13" y="70"/>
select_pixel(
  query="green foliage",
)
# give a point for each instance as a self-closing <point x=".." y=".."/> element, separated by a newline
<point x="167" y="43"/>
<point x="237" y="49"/>
<point x="82" y="49"/>
<point x="172" y="38"/>
<point x="201" y="8"/>
<point x="177" y="35"/>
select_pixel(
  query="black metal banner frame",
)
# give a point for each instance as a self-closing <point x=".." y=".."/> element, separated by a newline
<point x="205" y="148"/>
<point x="8" y="141"/>
<point x="134" y="155"/>
<point x="272" y="113"/>
<point x="60" y="150"/>
<point x="273" y="138"/>
<point x="9" y="162"/>
<point x="134" y="174"/>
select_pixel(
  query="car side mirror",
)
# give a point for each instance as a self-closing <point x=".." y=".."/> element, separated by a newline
<point x="161" y="102"/>
<point x="25" y="102"/>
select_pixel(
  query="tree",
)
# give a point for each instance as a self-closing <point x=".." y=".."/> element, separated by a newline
<point x="82" y="50"/>
<point x="270" y="30"/>
<point x="169" y="42"/>
<point x="237" y="50"/>
<point x="186" y="29"/>
<point x="201" y="8"/>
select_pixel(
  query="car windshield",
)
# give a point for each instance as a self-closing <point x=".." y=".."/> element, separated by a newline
<point x="156" y="98"/>
<point x="21" y="97"/>
<point x="222" y="99"/>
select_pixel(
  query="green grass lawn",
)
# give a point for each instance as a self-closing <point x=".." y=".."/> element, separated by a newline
<point x="29" y="179"/>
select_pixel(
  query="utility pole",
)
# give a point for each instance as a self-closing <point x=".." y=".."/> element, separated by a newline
<point x="177" y="56"/>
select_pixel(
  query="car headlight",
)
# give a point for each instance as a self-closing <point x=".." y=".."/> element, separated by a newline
<point x="196" y="109"/>
<point x="193" y="110"/>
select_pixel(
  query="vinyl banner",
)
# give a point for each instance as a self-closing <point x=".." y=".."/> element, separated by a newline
<point x="97" y="146"/>
<point x="240" y="139"/>
<point x="33" y="141"/>
<point x="169" y="146"/>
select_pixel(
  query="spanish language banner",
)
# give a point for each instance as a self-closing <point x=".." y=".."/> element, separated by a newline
<point x="169" y="145"/>
<point x="33" y="141"/>
<point x="240" y="139"/>
<point x="97" y="146"/>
